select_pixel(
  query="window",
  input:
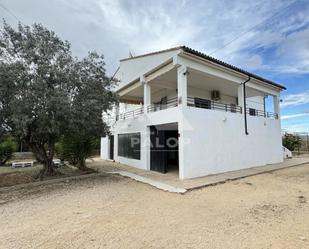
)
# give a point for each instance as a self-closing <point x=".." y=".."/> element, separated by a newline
<point x="129" y="145"/>
<point x="202" y="103"/>
<point x="252" y="112"/>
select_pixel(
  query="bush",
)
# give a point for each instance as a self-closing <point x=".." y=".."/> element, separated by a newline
<point x="7" y="147"/>
<point x="76" y="149"/>
<point x="291" y="141"/>
<point x="59" y="150"/>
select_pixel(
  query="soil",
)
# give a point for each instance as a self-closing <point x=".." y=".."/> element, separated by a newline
<point x="13" y="176"/>
<point x="264" y="211"/>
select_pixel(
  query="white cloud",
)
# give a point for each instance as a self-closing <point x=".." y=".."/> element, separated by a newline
<point x="295" y="99"/>
<point x="301" y="127"/>
<point x="298" y="115"/>
<point x="116" y="27"/>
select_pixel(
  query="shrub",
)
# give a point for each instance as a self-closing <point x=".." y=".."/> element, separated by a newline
<point x="7" y="147"/>
<point x="291" y="141"/>
<point x="76" y="148"/>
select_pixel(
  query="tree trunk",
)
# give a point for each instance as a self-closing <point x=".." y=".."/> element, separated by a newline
<point x="44" y="157"/>
<point x="82" y="164"/>
<point x="48" y="169"/>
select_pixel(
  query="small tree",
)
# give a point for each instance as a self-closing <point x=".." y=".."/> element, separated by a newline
<point x="291" y="141"/>
<point x="7" y="147"/>
<point x="76" y="148"/>
<point x="91" y="97"/>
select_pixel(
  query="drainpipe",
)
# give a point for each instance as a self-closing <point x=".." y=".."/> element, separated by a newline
<point x="245" y="104"/>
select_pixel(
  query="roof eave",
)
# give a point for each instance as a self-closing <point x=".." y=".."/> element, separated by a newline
<point x="209" y="58"/>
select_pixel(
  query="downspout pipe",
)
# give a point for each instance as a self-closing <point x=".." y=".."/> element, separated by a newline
<point x="245" y="104"/>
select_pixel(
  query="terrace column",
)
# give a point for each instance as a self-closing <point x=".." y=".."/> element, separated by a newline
<point x="276" y="105"/>
<point x="147" y="93"/>
<point x="116" y="111"/>
<point x="182" y="85"/>
<point x="240" y="96"/>
<point x="182" y="88"/>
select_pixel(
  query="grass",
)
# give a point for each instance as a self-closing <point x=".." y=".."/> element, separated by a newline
<point x="12" y="176"/>
<point x="8" y="169"/>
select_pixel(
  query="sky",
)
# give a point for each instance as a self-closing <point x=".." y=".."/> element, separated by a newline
<point x="266" y="37"/>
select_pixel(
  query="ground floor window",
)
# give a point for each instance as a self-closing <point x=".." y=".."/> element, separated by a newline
<point x="129" y="145"/>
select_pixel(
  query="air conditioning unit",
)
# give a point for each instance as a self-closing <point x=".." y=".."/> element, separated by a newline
<point x="215" y="95"/>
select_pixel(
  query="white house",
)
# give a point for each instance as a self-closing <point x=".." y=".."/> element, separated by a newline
<point x="182" y="111"/>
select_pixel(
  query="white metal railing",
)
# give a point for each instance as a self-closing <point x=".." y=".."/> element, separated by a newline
<point x="213" y="105"/>
<point x="169" y="103"/>
<point x="130" y="114"/>
<point x="195" y="102"/>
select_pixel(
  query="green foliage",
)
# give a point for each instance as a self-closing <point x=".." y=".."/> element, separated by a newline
<point x="76" y="148"/>
<point x="46" y="92"/>
<point x="291" y="141"/>
<point x="59" y="150"/>
<point x="7" y="147"/>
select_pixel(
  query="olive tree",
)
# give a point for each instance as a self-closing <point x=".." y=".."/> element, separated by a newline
<point x="48" y="92"/>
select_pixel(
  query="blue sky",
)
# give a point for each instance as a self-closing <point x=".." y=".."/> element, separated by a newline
<point x="273" y="46"/>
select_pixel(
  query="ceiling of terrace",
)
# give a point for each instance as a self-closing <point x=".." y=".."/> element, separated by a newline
<point x="196" y="79"/>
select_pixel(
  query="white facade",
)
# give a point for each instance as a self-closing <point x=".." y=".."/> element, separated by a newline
<point x="173" y="90"/>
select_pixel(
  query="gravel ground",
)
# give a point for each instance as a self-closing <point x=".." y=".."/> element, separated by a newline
<point x="265" y="211"/>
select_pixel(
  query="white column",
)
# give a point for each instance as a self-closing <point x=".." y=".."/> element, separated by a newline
<point x="147" y="147"/>
<point x="182" y="85"/>
<point x="276" y="105"/>
<point x="147" y="93"/>
<point x="182" y="91"/>
<point x="240" y="95"/>
<point x="116" y="111"/>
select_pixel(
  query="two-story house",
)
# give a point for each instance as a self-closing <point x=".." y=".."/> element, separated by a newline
<point x="182" y="111"/>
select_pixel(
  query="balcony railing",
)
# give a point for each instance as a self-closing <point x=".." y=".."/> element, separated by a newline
<point x="260" y="113"/>
<point x="168" y="103"/>
<point x="213" y="105"/>
<point x="130" y="114"/>
<point x="199" y="103"/>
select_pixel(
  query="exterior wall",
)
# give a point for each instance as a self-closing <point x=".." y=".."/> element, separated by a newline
<point x="286" y="153"/>
<point x="141" y="124"/>
<point x="213" y="141"/>
<point x="130" y="70"/>
<point x="104" y="150"/>
<point x="200" y="93"/>
<point x="216" y="142"/>
<point x="256" y="102"/>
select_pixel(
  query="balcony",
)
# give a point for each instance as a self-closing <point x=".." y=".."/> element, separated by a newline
<point x="197" y="103"/>
<point x="165" y="104"/>
<point x="213" y="105"/>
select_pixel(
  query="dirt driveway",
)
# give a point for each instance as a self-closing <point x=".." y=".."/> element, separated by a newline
<point x="264" y="211"/>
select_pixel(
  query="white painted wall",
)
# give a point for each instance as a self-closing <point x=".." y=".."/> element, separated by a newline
<point x="206" y="94"/>
<point x="216" y="142"/>
<point x="130" y="70"/>
<point x="141" y="124"/>
<point x="104" y="150"/>
<point x="256" y="102"/>
<point x="286" y="153"/>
